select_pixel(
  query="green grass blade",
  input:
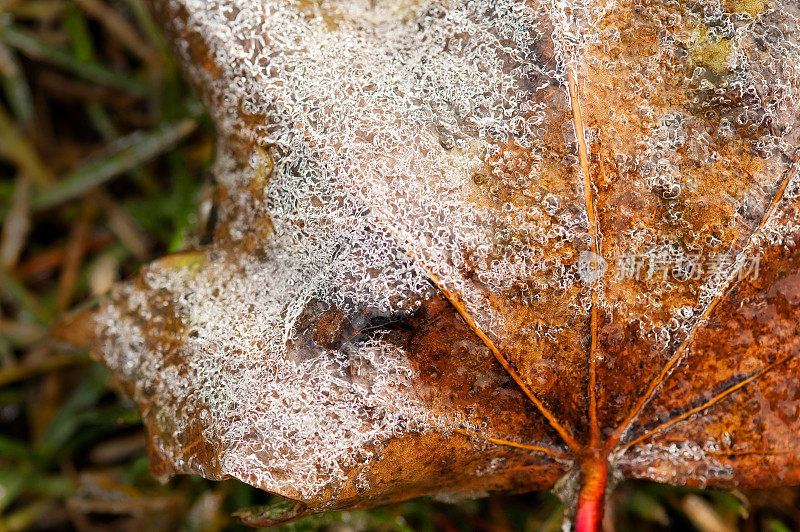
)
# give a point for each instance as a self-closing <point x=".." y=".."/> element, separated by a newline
<point x="94" y="72"/>
<point x="133" y="151"/>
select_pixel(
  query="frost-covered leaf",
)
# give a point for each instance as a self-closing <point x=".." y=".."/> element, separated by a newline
<point x="466" y="246"/>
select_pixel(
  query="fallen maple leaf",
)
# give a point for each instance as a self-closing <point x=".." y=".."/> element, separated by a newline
<point x="483" y="245"/>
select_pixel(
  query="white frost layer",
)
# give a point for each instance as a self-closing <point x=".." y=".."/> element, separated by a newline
<point x="402" y="105"/>
<point x="282" y="420"/>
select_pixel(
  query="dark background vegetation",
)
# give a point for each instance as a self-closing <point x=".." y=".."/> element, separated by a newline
<point x="104" y="159"/>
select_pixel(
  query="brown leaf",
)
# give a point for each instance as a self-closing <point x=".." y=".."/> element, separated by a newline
<point x="480" y="246"/>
